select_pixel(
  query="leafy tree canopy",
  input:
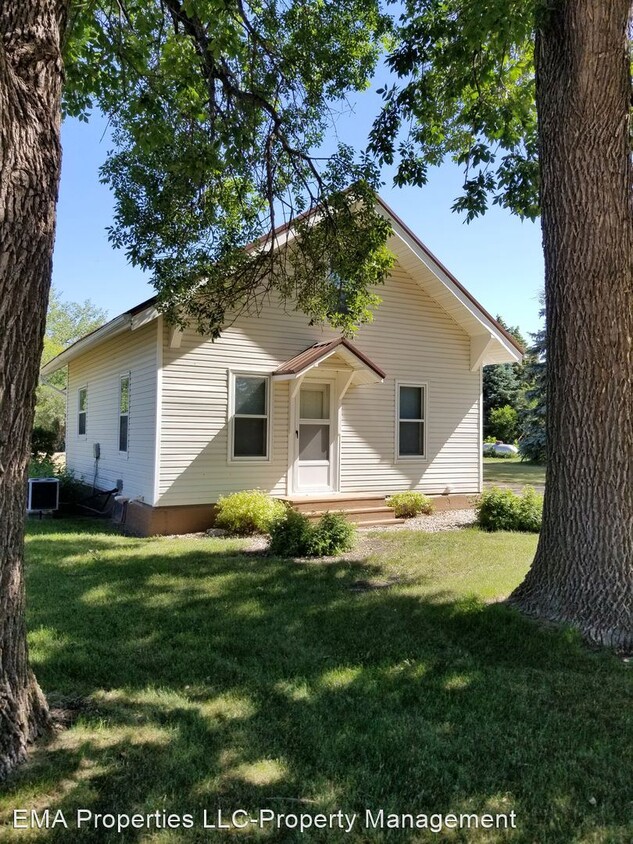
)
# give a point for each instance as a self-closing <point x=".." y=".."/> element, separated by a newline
<point x="465" y="89"/>
<point x="503" y="423"/>
<point x="216" y="108"/>
<point x="501" y="386"/>
<point x="514" y="330"/>
<point x="66" y="322"/>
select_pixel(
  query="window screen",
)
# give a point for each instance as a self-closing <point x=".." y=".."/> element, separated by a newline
<point x="411" y="421"/>
<point x="82" y="417"/>
<point x="250" y="418"/>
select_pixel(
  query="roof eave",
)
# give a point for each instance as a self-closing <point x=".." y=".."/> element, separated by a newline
<point x="487" y="322"/>
<point x="129" y="321"/>
<point x="508" y="348"/>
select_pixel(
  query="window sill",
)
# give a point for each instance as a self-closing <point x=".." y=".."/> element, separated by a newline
<point x="409" y="458"/>
<point x="240" y="461"/>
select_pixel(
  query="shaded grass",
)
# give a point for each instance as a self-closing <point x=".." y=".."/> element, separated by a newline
<point x="512" y="470"/>
<point x="219" y="678"/>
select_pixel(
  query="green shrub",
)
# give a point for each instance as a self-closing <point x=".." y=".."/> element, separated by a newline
<point x="294" y="536"/>
<point x="71" y="491"/>
<point x="41" y="467"/>
<point x="502" y="509"/>
<point x="409" y="504"/>
<point x="290" y="536"/>
<point x="250" y="511"/>
<point x="531" y="510"/>
<point x="43" y="441"/>
<point x="503" y="423"/>
<point x="332" y="535"/>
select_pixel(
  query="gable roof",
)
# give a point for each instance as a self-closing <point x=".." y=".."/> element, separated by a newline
<point x="490" y="341"/>
<point x="319" y="352"/>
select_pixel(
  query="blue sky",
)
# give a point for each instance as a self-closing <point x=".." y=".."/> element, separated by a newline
<point x="497" y="257"/>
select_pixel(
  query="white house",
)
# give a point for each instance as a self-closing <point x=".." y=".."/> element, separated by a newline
<point x="177" y="420"/>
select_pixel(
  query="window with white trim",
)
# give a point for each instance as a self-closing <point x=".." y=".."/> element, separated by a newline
<point x="82" y="411"/>
<point x="124" y="412"/>
<point x="251" y="417"/>
<point x="411" y="420"/>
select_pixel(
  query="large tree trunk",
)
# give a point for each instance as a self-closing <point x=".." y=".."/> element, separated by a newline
<point x="30" y="161"/>
<point x="583" y="570"/>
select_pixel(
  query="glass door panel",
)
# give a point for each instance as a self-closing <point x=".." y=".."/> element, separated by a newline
<point x="314" y="441"/>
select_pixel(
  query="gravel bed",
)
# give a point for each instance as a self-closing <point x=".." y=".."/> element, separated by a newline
<point x="444" y="520"/>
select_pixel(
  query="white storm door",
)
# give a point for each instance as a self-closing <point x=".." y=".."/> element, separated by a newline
<point x="314" y="438"/>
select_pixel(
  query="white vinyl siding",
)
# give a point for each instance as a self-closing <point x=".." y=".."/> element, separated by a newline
<point x="102" y="369"/>
<point x="414" y="341"/>
<point x="411" y="338"/>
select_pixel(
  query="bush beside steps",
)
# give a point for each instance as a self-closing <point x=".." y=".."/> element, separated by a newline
<point x="291" y="533"/>
<point x="502" y="509"/>
<point x="247" y="512"/>
<point x="294" y="536"/>
<point x="407" y="505"/>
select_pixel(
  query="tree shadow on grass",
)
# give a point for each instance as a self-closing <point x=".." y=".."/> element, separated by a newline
<point x="218" y="680"/>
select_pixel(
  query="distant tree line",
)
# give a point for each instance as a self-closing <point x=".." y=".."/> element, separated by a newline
<point x="66" y="322"/>
<point x="514" y="397"/>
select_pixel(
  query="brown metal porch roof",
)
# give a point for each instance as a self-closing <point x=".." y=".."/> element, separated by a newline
<point x="313" y="354"/>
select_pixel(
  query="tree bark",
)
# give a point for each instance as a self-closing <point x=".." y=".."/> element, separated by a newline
<point x="30" y="162"/>
<point x="583" y="570"/>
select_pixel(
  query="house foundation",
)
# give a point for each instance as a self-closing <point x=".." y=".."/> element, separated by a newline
<point x="364" y="510"/>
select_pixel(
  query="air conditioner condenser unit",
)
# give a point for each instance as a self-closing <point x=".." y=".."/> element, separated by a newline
<point x="42" y="494"/>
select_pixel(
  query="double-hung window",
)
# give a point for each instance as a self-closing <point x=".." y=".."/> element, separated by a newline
<point x="251" y="417"/>
<point x="124" y="412"/>
<point x="82" y="411"/>
<point x="411" y="434"/>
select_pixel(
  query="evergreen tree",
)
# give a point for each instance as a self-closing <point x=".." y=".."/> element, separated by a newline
<point x="502" y="384"/>
<point x="533" y="441"/>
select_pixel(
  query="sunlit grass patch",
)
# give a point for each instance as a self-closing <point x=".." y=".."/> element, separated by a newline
<point x="204" y="677"/>
<point x="512" y="471"/>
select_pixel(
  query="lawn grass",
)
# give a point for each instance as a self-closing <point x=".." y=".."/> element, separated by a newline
<point x="211" y="677"/>
<point x="512" y="471"/>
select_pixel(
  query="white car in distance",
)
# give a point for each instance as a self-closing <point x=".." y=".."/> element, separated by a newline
<point x="500" y="449"/>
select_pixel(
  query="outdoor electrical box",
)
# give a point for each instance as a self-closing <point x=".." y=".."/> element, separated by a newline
<point x="42" y="495"/>
<point x="96" y="451"/>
